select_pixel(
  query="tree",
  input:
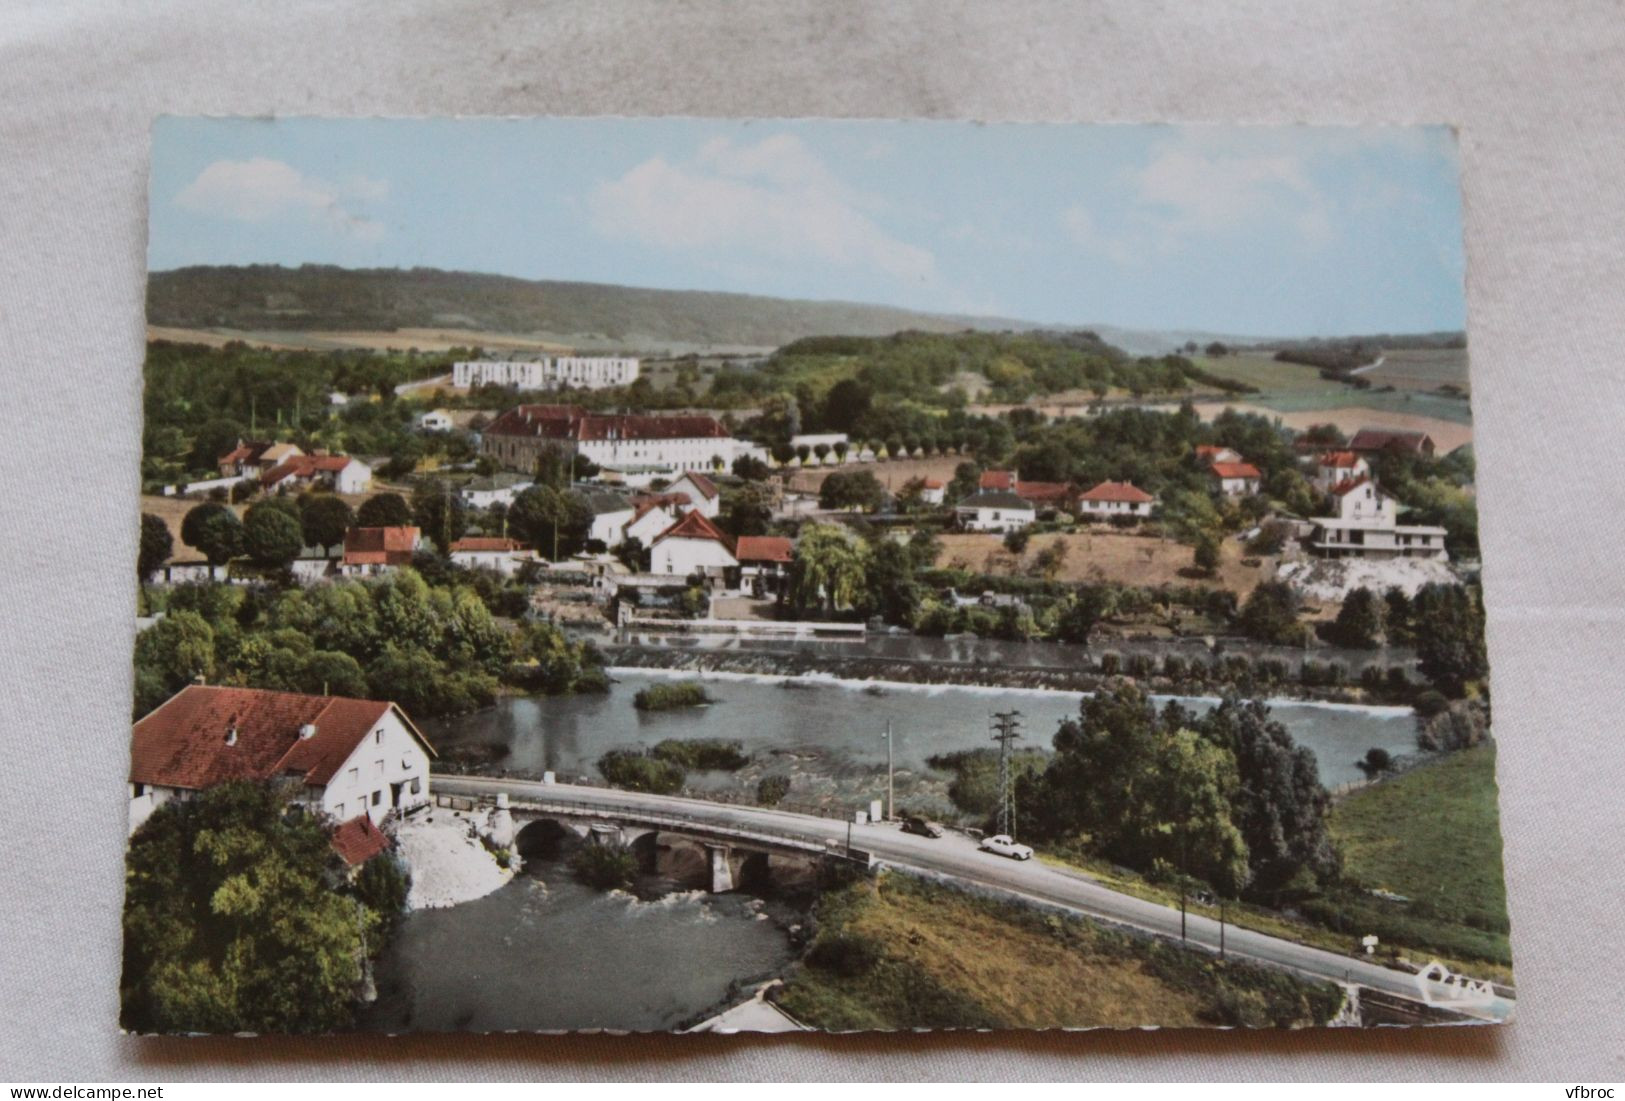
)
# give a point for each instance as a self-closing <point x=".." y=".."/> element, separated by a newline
<point x="234" y="919"/>
<point x="440" y="513"/>
<point x="1206" y="555"/>
<point x="554" y="521"/>
<point x="171" y="654"/>
<point x="214" y="530"/>
<point x="214" y="439"/>
<point x="892" y="593"/>
<point x="855" y="489"/>
<point x="1080" y="613"/>
<point x="1397" y="617"/>
<point x="749" y="511"/>
<point x="1359" y="621"/>
<point x="384" y="510"/>
<point x="271" y="537"/>
<point x="828" y="570"/>
<point x="1449" y="625"/>
<point x="325" y="519"/>
<point x="156" y="544"/>
<point x="1016" y="541"/>
<point x="1271" y="614"/>
<point x="846" y="405"/>
<point x="750" y="468"/>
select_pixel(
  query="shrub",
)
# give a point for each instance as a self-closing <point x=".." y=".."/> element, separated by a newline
<point x="702" y="754"/>
<point x="1271" y="669"/>
<point x="1140" y="665"/>
<point x="1377" y="760"/>
<point x="846" y="954"/>
<point x="1173" y="666"/>
<point x="604" y="866"/>
<point x="669" y="696"/>
<point x="635" y="771"/>
<point x="1111" y="663"/>
<point x="1429" y="704"/>
<point x="771" y="790"/>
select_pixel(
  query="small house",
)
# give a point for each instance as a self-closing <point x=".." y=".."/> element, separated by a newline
<point x="1112" y="499"/>
<point x="994" y="510"/>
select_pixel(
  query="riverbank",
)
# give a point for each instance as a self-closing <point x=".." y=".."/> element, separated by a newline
<point x="448" y="863"/>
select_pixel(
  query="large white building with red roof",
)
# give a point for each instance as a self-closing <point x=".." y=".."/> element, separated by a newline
<point x="369" y="552"/>
<point x="1236" y="479"/>
<point x="693" y="545"/>
<point x="345" y="757"/>
<point x="340" y="473"/>
<point x="676" y="442"/>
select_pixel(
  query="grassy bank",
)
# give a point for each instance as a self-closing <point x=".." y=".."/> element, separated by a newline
<point x="898" y="952"/>
<point x="1433" y="835"/>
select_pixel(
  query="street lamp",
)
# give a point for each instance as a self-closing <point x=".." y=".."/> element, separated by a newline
<point x="891" y="809"/>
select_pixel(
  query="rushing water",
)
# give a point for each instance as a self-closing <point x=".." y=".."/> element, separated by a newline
<point x="841" y="722"/>
<point x="547" y="953"/>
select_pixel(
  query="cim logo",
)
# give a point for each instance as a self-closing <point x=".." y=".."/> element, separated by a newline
<point x="1458" y="990"/>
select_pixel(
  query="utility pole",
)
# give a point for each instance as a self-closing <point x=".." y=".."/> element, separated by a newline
<point x="891" y="809"/>
<point x="1006" y="727"/>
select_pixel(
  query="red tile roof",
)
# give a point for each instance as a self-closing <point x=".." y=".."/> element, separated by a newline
<point x="700" y="482"/>
<point x="245" y="451"/>
<point x="998" y="479"/>
<point x="1339" y="459"/>
<point x="571" y="422"/>
<point x="933" y="483"/>
<point x="1235" y="470"/>
<point x="380" y="546"/>
<point x="206" y="735"/>
<point x="488" y="543"/>
<point x="1045" y="491"/>
<point x="304" y="466"/>
<point x="764" y="548"/>
<point x="1208" y="450"/>
<point x="1118" y="491"/>
<point x="1390" y="439"/>
<point x="358" y="840"/>
<point x="1349" y="484"/>
<point x="694" y="525"/>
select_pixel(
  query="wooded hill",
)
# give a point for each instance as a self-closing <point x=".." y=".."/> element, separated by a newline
<point x="323" y="298"/>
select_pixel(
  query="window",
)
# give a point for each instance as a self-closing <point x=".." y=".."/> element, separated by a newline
<point x="378" y="736"/>
<point x="354" y="774"/>
<point x="338" y="812"/>
<point x="379" y="767"/>
<point x="377" y="797"/>
<point x="417" y="785"/>
<point x="138" y="790"/>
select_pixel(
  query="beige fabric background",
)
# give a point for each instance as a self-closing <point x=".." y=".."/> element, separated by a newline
<point x="1535" y="86"/>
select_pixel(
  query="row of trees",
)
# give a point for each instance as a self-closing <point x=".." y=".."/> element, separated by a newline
<point x="432" y="649"/>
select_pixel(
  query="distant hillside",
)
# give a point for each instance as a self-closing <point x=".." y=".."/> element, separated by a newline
<point x="321" y="298"/>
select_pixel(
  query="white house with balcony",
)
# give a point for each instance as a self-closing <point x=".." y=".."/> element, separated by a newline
<point x="1367" y="526"/>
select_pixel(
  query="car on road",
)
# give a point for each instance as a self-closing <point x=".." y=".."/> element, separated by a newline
<point x="924" y="827"/>
<point x="1002" y="844"/>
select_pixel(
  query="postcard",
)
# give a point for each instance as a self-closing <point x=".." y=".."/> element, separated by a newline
<point x="770" y="575"/>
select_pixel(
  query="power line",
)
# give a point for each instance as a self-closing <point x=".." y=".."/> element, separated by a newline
<point x="1006" y="727"/>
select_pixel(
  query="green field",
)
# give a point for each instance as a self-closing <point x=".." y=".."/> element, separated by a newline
<point x="1421" y="369"/>
<point x="1268" y="375"/>
<point x="1433" y="835"/>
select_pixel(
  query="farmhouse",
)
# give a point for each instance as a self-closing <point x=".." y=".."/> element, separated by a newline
<point x="1235" y="479"/>
<point x="1332" y="468"/>
<point x="687" y="442"/>
<point x="693" y="545"/>
<point x="764" y="563"/>
<point x="344" y="757"/>
<point x="251" y="458"/>
<point x="700" y="492"/>
<point x="369" y="552"/>
<point x="611" y="512"/>
<point x="994" y="510"/>
<point x="340" y="473"/>
<point x="551" y="373"/>
<point x="1371" y="442"/>
<point x="1367" y="526"/>
<point x="506" y="556"/>
<point x="1044" y="495"/>
<point x="1109" y="499"/>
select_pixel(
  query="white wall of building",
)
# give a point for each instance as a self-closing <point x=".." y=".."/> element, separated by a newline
<point x="379" y="774"/>
<point x="582" y="372"/>
<point x="995" y="519"/>
<point x="681" y="556"/>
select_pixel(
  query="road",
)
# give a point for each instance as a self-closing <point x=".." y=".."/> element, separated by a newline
<point x="957" y="856"/>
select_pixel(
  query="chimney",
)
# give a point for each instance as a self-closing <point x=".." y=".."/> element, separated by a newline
<point x="307" y="731"/>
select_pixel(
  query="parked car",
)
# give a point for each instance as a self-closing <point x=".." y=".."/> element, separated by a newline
<point x="915" y="824"/>
<point x="1002" y="844"/>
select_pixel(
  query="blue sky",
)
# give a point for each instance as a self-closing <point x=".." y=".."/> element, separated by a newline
<point x="1254" y="231"/>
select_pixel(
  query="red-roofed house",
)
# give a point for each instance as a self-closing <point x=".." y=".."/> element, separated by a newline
<point x="693" y="545"/>
<point x="342" y="756"/>
<point x="485" y="552"/>
<point x="933" y="491"/>
<point x="1109" y="499"/>
<point x="700" y="492"/>
<point x="1236" y="479"/>
<point x="372" y="551"/>
<point x="651" y="516"/>
<point x="1003" y="481"/>
<point x="340" y="473"/>
<point x="1207" y="454"/>
<point x="1333" y="467"/>
<point x="251" y="458"/>
<point x="358" y="840"/>
<point x="1367" y="526"/>
<point x="1039" y="494"/>
<point x="764" y="563"/>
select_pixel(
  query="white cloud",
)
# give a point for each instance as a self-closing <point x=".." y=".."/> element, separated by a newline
<point x="774" y="199"/>
<point x="1193" y="189"/>
<point x="260" y="189"/>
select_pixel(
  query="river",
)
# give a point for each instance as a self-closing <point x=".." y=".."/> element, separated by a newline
<point x="547" y="953"/>
<point x="826" y="733"/>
